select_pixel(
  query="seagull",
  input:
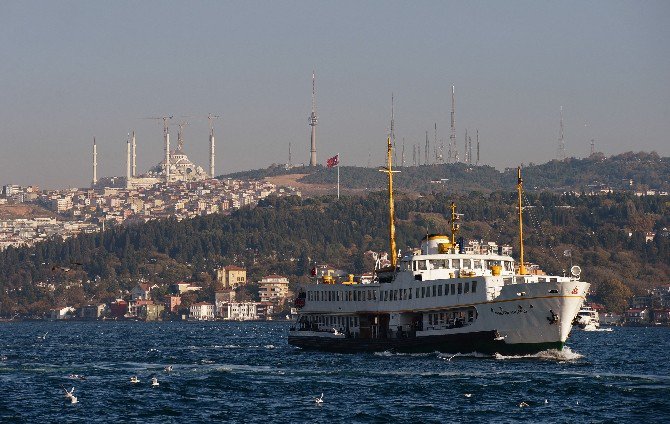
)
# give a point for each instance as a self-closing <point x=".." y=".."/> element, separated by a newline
<point x="154" y="382"/>
<point x="319" y="400"/>
<point x="546" y="401"/>
<point x="168" y="368"/>
<point x="70" y="395"/>
<point x="522" y="404"/>
<point x="467" y="395"/>
<point x="44" y="337"/>
<point x="134" y="379"/>
<point x="452" y="356"/>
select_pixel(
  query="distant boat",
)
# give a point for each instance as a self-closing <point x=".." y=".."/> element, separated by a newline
<point x="587" y="319"/>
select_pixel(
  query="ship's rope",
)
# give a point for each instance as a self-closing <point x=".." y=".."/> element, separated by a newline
<point x="534" y="220"/>
<point x="501" y="227"/>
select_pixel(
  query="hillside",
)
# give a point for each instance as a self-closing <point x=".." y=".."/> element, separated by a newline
<point x="606" y="235"/>
<point x="629" y="171"/>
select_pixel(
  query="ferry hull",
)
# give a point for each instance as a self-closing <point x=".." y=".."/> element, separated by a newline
<point x="486" y="342"/>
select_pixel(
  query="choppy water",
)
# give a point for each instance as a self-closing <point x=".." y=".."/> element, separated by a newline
<point x="246" y="372"/>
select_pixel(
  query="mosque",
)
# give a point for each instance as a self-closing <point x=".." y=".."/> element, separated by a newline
<point x="175" y="167"/>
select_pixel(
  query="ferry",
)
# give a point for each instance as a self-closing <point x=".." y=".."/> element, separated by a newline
<point x="445" y="297"/>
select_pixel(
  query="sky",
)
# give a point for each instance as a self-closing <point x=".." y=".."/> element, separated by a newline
<point x="74" y="70"/>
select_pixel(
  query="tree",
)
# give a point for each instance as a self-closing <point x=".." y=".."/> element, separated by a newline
<point x="614" y="295"/>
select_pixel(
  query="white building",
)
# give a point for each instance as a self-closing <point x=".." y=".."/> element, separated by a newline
<point x="62" y="313"/>
<point x="245" y="311"/>
<point x="202" y="311"/>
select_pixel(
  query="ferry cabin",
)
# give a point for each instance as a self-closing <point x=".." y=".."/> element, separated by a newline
<point x="435" y="292"/>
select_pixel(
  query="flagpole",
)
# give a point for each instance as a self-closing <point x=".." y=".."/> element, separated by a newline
<point x="338" y="176"/>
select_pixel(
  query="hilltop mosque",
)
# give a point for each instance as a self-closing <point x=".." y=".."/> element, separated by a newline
<point x="175" y="167"/>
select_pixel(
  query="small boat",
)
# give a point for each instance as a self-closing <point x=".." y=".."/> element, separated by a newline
<point x="587" y="319"/>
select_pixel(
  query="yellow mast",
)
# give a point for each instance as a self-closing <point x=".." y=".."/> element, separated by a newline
<point x="519" y="187"/>
<point x="390" y="171"/>
<point x="454" y="225"/>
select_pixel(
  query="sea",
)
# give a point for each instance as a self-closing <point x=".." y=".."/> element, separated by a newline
<point x="245" y="372"/>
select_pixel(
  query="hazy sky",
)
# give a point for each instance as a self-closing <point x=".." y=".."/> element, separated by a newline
<point x="71" y="70"/>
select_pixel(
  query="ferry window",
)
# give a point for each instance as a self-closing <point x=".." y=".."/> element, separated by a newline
<point x="374" y="295"/>
<point x="441" y="318"/>
<point x="467" y="263"/>
<point x="404" y="294"/>
<point x="430" y="319"/>
<point x="423" y="292"/>
<point x="456" y="263"/>
<point x="437" y="264"/>
<point x="439" y="290"/>
<point x="409" y="292"/>
<point x="477" y="264"/>
<point x="421" y="265"/>
<point x="453" y="289"/>
<point x="509" y="265"/>
<point x="466" y="288"/>
<point x="309" y="295"/>
<point x="369" y="294"/>
<point x="474" y="287"/>
<point x="358" y="295"/>
<point x="434" y="291"/>
<point x="460" y="288"/>
<point x="396" y="294"/>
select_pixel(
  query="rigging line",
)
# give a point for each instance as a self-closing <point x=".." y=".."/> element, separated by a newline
<point x="535" y="221"/>
<point x="500" y="227"/>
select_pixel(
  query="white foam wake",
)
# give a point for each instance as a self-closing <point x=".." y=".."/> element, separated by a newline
<point x="565" y="354"/>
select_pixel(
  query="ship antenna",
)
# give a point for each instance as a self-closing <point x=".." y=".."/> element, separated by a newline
<point x="519" y="187"/>
<point x="389" y="170"/>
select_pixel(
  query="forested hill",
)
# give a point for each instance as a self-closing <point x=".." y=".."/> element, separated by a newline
<point x="629" y="171"/>
<point x="606" y="235"/>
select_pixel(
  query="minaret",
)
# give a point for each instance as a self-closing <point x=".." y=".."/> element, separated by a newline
<point x="134" y="146"/>
<point x="95" y="163"/>
<point x="167" y="156"/>
<point x="312" y="123"/>
<point x="212" y="145"/>
<point x="128" y="161"/>
<point x="452" y="137"/>
<point x="166" y="136"/>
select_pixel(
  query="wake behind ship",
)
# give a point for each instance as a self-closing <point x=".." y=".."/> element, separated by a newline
<point x="448" y="297"/>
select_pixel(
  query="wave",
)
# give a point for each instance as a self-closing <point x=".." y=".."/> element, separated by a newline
<point x="565" y="354"/>
<point x="389" y="353"/>
<point x="604" y="330"/>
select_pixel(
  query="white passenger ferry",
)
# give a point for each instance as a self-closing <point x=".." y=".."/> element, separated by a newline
<point x="442" y="298"/>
